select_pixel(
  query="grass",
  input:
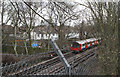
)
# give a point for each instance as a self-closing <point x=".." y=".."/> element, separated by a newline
<point x="21" y="50"/>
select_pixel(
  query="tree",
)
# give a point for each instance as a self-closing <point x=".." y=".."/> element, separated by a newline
<point x="62" y="13"/>
<point x="105" y="17"/>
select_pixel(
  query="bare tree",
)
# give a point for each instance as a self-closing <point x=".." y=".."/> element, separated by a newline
<point x="105" y="18"/>
<point x="62" y="13"/>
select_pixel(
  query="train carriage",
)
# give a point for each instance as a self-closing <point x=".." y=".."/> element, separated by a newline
<point x="79" y="46"/>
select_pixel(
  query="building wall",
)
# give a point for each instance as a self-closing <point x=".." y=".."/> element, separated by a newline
<point x="36" y="36"/>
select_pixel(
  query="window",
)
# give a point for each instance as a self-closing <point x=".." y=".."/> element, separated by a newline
<point x="75" y="45"/>
<point x="83" y="45"/>
<point x="88" y="42"/>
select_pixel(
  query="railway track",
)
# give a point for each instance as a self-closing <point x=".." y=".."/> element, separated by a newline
<point x="59" y="66"/>
<point x="30" y="61"/>
<point x="54" y="65"/>
<point x="41" y="66"/>
<point x="77" y="60"/>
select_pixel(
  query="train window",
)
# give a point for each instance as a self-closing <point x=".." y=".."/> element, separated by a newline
<point x="75" y="45"/>
<point x="88" y="42"/>
<point x="83" y="44"/>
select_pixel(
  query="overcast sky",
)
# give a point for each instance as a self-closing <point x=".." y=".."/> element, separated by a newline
<point x="72" y="23"/>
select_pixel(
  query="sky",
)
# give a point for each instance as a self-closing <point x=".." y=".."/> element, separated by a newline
<point x="72" y="22"/>
<point x="83" y="15"/>
<point x="39" y="19"/>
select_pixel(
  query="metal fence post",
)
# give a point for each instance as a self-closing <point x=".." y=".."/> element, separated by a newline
<point x="61" y="56"/>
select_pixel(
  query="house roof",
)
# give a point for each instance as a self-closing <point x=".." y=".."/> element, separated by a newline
<point x="48" y="29"/>
<point x="8" y="29"/>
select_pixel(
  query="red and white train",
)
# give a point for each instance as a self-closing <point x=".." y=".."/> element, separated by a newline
<point x="81" y="45"/>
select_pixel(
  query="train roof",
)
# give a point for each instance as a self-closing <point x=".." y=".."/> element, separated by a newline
<point x="91" y="39"/>
<point x="87" y="40"/>
<point x="81" y="41"/>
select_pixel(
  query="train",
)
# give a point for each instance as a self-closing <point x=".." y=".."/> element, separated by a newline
<point x="79" y="46"/>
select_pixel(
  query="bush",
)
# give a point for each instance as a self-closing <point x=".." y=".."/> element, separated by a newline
<point x="8" y="58"/>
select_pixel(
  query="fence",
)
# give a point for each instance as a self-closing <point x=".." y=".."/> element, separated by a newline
<point x="27" y="68"/>
<point x="34" y="65"/>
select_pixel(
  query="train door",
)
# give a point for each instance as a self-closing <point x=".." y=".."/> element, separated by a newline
<point x="79" y="47"/>
<point x="94" y="42"/>
<point x="90" y="43"/>
<point x="82" y="46"/>
<point x="86" y="45"/>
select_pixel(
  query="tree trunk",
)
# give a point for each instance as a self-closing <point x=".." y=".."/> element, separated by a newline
<point x="1" y="31"/>
<point x="61" y="37"/>
<point x="15" y="47"/>
<point x="119" y="36"/>
<point x="48" y="43"/>
<point x="29" y="36"/>
<point x="26" y="47"/>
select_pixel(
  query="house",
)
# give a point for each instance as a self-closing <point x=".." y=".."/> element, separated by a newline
<point x="46" y="32"/>
<point x="8" y="34"/>
<point x="43" y="32"/>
